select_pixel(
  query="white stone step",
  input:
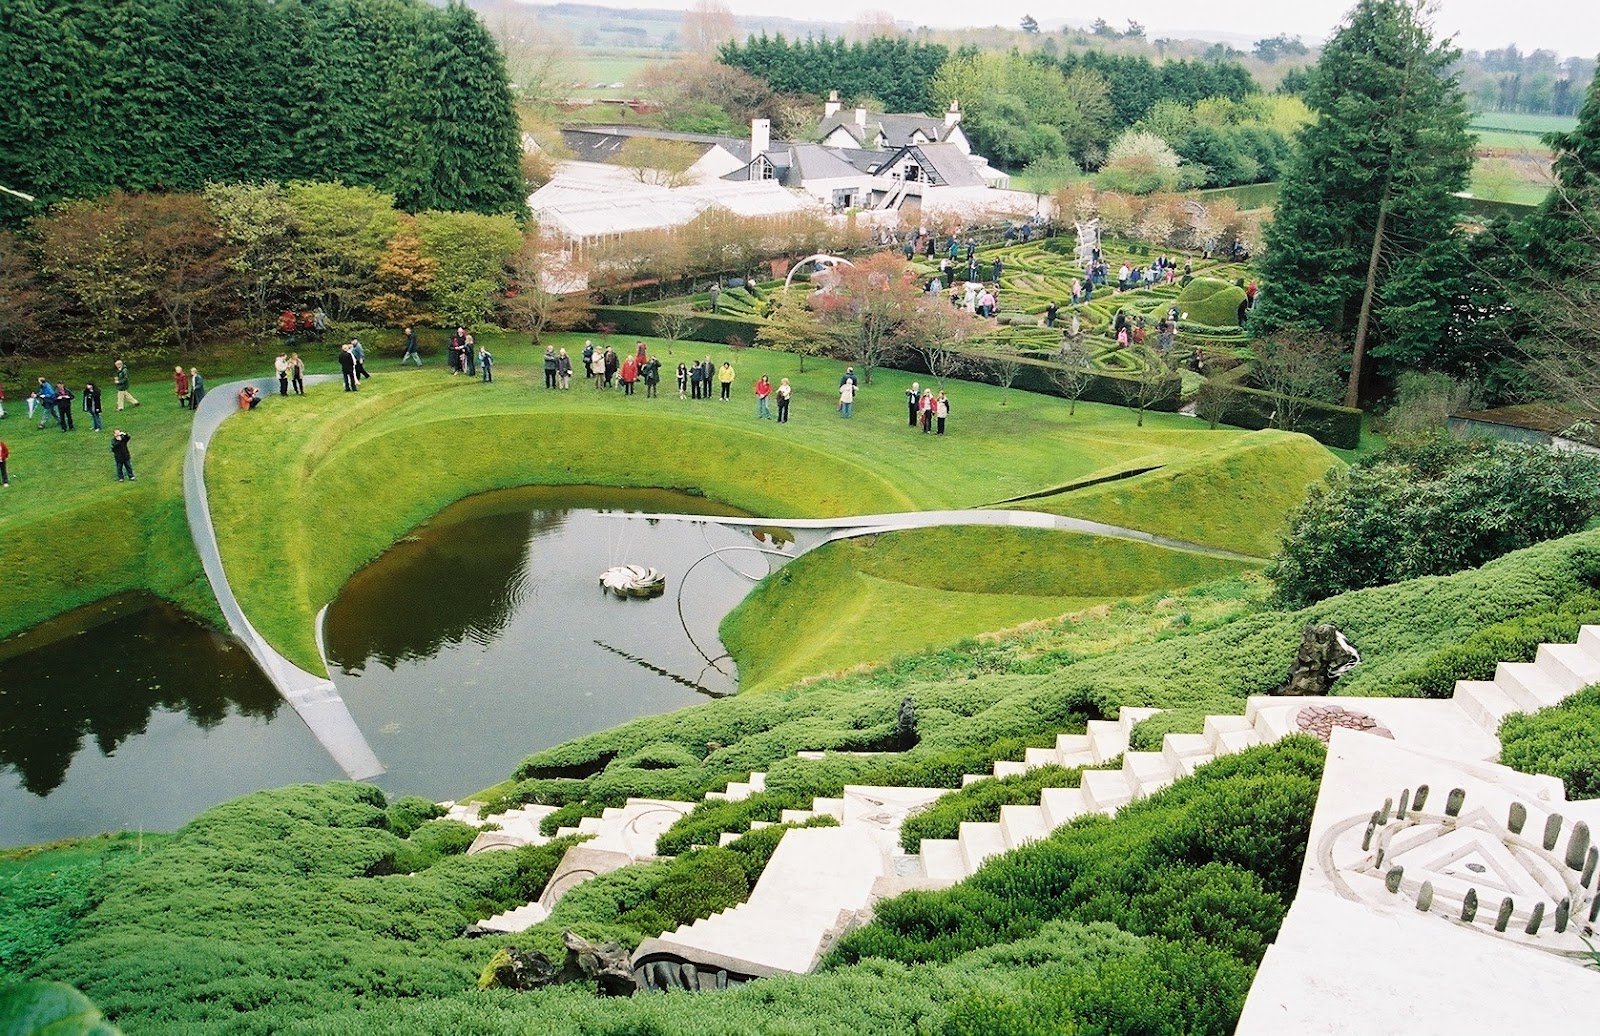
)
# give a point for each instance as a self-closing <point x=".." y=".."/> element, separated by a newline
<point x="942" y="860"/>
<point x="728" y="836"/>
<point x="737" y="791"/>
<point x="979" y="841"/>
<point x="1527" y="685"/>
<point x="1061" y="805"/>
<point x="1484" y="702"/>
<point x="1071" y="744"/>
<point x="566" y="832"/>
<point x="1022" y="824"/>
<point x="1145" y="768"/>
<point x="1589" y="640"/>
<point x="1033" y="758"/>
<point x="973" y="778"/>
<point x="591" y="825"/>
<point x="1190" y="763"/>
<point x="517" y="919"/>
<point x="1105" y="790"/>
<point x="882" y="809"/>
<point x="1179" y="746"/>
<point x="1216" y="726"/>
<point x="634" y="827"/>
<point x="716" y="796"/>
<point x="1231" y="741"/>
<point x="1131" y="716"/>
<point x="1107" y="739"/>
<point x="795" y="816"/>
<point x="758" y="781"/>
<point x="1009" y="768"/>
<point x="828" y="807"/>
<point x="1569" y="665"/>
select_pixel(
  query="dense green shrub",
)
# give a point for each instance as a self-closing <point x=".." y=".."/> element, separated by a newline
<point x="1229" y="842"/>
<point x="1513" y="640"/>
<point x="1336" y="426"/>
<point x="981" y="801"/>
<point x="1210" y="301"/>
<point x="1562" y="741"/>
<point x="409" y="812"/>
<point x="1432" y="509"/>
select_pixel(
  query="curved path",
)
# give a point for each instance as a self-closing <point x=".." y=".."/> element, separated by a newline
<point x="811" y="533"/>
<point x="314" y="697"/>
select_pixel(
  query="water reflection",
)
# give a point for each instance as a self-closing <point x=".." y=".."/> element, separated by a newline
<point x="128" y="714"/>
<point x="485" y="635"/>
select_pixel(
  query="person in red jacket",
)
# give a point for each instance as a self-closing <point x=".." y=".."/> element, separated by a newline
<point x="763" y="398"/>
<point x="628" y="375"/>
<point x="5" y="453"/>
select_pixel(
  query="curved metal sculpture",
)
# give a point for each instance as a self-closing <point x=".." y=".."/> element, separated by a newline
<point x="821" y="261"/>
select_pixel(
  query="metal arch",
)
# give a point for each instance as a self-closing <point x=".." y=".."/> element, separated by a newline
<point x="683" y="581"/>
<point x="823" y="261"/>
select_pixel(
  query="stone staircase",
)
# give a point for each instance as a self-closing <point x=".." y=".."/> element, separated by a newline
<point x="757" y="938"/>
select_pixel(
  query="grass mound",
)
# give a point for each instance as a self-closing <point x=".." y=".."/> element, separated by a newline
<point x="1238" y="497"/>
<point x="867" y="600"/>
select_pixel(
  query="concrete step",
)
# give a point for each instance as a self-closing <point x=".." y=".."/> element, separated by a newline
<point x="1528" y="685"/>
<point x="634" y="827"/>
<point x="796" y="816"/>
<point x="973" y="778"/>
<point x="1009" y="768"/>
<point x="1190" y="763"/>
<point x="756" y="825"/>
<point x="758" y="781"/>
<point x="1105" y="790"/>
<point x="591" y="825"/>
<point x="1071" y="744"/>
<point x="1022" y="824"/>
<point x="1179" y="746"/>
<point x="828" y="807"/>
<point x="883" y="809"/>
<point x="979" y="841"/>
<point x="1033" y="758"/>
<point x="1061" y="805"/>
<point x="728" y="836"/>
<point x="1569" y="666"/>
<point x="1131" y="716"/>
<point x="1107" y="739"/>
<point x="1215" y="726"/>
<point x="1147" y="768"/>
<point x="1589" y="640"/>
<point x="566" y="832"/>
<point x="517" y="919"/>
<point x="737" y="791"/>
<point x="1484" y="702"/>
<point x="942" y="859"/>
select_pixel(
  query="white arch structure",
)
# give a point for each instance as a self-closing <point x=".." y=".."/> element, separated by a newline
<point x="823" y="262"/>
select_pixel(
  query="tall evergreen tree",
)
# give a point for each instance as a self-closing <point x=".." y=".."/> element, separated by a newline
<point x="1365" y="240"/>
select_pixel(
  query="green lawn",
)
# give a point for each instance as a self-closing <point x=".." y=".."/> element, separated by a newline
<point x="294" y="523"/>
<point x="864" y="601"/>
<point x="305" y="491"/>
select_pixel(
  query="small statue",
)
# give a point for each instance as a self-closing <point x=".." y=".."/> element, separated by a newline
<point x="1324" y="656"/>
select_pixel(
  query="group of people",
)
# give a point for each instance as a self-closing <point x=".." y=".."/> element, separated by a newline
<point x="291" y="371"/>
<point x="352" y="365"/>
<point x="466" y="356"/>
<point x="926" y="409"/>
<point x="54" y="402"/>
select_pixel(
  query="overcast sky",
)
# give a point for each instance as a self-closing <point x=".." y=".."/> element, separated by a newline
<point x="1568" y="27"/>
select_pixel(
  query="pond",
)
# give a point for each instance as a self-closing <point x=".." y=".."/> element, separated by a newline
<point x="480" y="637"/>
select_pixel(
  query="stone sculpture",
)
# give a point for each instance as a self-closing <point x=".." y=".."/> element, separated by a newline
<point x="1323" y="657"/>
<point x="607" y="965"/>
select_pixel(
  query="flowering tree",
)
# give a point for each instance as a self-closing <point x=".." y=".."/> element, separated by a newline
<point x="870" y="310"/>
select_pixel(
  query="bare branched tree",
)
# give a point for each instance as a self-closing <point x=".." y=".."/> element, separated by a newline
<point x="1301" y="368"/>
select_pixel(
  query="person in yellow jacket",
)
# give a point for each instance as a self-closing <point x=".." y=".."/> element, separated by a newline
<point x="725" y="379"/>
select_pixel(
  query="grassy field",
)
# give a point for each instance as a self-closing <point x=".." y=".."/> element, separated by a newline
<point x="1522" y="122"/>
<point x="305" y="491"/>
<point x="864" y="601"/>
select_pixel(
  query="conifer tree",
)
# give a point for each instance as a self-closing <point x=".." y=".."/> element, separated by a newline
<point x="1364" y="243"/>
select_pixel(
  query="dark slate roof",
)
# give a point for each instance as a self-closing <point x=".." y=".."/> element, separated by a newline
<point x="601" y="143"/>
<point x="815" y="162"/>
<point x="897" y="128"/>
<point x="944" y="165"/>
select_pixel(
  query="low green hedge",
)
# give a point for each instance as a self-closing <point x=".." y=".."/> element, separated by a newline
<point x="981" y="801"/>
<point x="640" y="322"/>
<point x="1335" y="426"/>
<point x="1034" y="376"/>
<point x="1563" y="741"/>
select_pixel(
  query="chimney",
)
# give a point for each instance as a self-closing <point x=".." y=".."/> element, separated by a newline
<point x="760" y="137"/>
<point x="952" y="117"/>
<point x="861" y="118"/>
<point x="831" y="109"/>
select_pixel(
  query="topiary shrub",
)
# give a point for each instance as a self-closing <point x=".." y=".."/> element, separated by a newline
<point x="1210" y="301"/>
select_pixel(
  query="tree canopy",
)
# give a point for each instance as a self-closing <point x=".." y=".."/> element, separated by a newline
<point x="172" y="94"/>
<point x="1365" y="242"/>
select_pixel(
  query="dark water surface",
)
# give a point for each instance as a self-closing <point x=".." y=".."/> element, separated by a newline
<point x="477" y="639"/>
